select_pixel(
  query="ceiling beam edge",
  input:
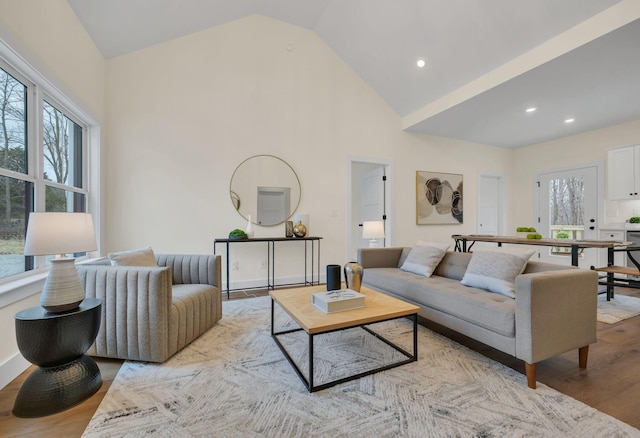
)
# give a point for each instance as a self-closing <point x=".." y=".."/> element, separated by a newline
<point x="600" y="24"/>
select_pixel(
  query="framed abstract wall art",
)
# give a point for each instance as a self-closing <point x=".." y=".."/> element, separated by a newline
<point x="438" y="198"/>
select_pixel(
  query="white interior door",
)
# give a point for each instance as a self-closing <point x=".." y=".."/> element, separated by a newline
<point x="490" y="205"/>
<point x="569" y="209"/>
<point x="372" y="199"/>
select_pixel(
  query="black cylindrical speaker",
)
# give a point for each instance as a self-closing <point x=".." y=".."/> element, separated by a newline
<point x="334" y="280"/>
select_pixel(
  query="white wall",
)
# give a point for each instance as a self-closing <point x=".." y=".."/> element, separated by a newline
<point x="183" y="114"/>
<point x="49" y="36"/>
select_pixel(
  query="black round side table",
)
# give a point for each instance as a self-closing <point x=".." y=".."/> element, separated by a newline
<point x="57" y="343"/>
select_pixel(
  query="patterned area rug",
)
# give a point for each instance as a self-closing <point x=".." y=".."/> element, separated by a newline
<point x="619" y="308"/>
<point x="234" y="382"/>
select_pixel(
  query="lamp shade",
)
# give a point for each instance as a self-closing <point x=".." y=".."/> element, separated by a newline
<point x="373" y="230"/>
<point x="59" y="233"/>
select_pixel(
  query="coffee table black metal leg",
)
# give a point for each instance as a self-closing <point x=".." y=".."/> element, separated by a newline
<point x="415" y="335"/>
<point x="274" y="336"/>
<point x="310" y="380"/>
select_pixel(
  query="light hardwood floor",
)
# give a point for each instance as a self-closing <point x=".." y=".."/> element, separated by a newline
<point x="611" y="382"/>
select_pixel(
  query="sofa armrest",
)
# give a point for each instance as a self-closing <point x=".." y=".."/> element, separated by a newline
<point x="379" y="257"/>
<point x="136" y="303"/>
<point x="556" y="311"/>
<point x="193" y="268"/>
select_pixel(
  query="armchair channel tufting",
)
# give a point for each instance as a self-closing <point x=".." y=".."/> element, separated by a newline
<point x="150" y="313"/>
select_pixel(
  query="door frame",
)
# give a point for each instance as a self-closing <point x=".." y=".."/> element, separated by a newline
<point x="388" y="165"/>
<point x="600" y="204"/>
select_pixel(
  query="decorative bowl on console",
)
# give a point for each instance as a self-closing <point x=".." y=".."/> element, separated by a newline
<point x="238" y="234"/>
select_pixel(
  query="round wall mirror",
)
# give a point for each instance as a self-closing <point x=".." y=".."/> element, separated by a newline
<point x="266" y="188"/>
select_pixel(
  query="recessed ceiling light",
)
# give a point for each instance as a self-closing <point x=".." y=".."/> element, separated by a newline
<point x="532" y="109"/>
<point x="421" y="63"/>
<point x="569" y="120"/>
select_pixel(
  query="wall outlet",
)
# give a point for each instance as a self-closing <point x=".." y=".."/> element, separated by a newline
<point x="235" y="266"/>
<point x="263" y="264"/>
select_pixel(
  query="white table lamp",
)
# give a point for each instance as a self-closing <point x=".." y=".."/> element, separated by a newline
<point x="60" y="234"/>
<point x="373" y="230"/>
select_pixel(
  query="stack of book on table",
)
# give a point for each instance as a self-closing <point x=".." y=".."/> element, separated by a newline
<point x="338" y="300"/>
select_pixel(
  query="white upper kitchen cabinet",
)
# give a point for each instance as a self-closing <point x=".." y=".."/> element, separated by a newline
<point x="623" y="165"/>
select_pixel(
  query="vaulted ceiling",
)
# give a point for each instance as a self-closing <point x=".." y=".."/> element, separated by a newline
<point x="487" y="61"/>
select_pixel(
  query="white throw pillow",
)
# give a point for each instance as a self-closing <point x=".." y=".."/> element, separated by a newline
<point x="496" y="269"/>
<point x="135" y="257"/>
<point x="424" y="257"/>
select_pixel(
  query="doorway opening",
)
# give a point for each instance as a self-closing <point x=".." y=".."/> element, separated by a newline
<point x="369" y="198"/>
<point x="569" y="208"/>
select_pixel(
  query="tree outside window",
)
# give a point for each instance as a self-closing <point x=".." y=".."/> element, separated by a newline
<point x="61" y="179"/>
<point x="62" y="152"/>
<point x="15" y="193"/>
<point x="566" y="211"/>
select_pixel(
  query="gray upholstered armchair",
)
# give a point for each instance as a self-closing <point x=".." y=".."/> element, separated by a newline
<point x="150" y="313"/>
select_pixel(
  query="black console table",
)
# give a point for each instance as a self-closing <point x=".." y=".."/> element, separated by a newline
<point x="57" y="343"/>
<point x="271" y="244"/>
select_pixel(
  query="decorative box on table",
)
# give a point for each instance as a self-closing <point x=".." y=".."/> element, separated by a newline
<point x="338" y="300"/>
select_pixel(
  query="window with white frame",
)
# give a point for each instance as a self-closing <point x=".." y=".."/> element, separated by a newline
<point x="43" y="165"/>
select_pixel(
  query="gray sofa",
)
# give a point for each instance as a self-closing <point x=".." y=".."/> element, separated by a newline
<point x="150" y="313"/>
<point x="554" y="310"/>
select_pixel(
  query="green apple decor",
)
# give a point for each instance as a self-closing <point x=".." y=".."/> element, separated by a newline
<point x="528" y="232"/>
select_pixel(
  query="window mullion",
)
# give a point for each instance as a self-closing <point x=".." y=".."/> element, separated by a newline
<point x="65" y="187"/>
<point x="38" y="162"/>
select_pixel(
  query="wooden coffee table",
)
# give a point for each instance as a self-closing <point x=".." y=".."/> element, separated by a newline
<point x="378" y="308"/>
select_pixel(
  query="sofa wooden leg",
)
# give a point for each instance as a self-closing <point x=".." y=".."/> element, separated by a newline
<point x="530" y="370"/>
<point x="583" y="354"/>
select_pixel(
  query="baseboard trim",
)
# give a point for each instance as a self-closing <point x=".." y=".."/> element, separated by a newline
<point x="12" y="368"/>
<point x="262" y="283"/>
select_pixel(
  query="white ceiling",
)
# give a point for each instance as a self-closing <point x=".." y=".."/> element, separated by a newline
<point x="486" y="59"/>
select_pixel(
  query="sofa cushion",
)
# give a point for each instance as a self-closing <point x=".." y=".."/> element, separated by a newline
<point x="453" y="265"/>
<point x="134" y="257"/>
<point x="403" y="256"/>
<point x="496" y="269"/>
<point x="193" y="311"/>
<point x="424" y="257"/>
<point x="492" y="311"/>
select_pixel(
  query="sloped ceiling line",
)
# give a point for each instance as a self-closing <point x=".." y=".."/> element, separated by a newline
<point x="482" y="55"/>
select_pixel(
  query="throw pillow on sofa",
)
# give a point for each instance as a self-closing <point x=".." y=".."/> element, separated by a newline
<point x="496" y="269"/>
<point x="424" y="257"/>
<point x="135" y="257"/>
